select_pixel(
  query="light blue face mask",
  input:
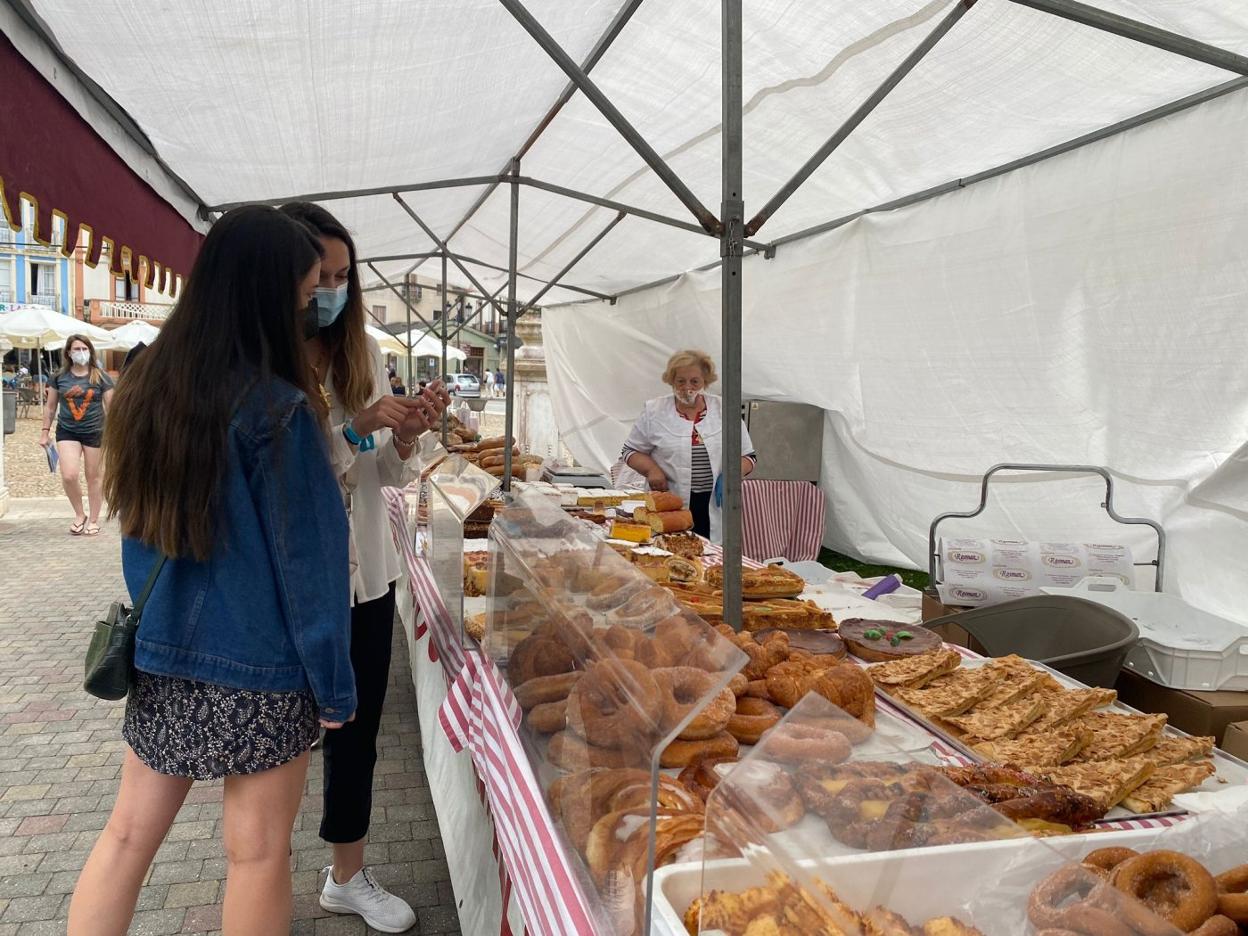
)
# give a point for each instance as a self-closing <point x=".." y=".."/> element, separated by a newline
<point x="330" y="301"/>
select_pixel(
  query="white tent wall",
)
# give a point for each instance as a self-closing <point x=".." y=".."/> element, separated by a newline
<point x="1087" y="309"/>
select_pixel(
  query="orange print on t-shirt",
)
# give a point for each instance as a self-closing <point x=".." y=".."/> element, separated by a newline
<point x="79" y="410"/>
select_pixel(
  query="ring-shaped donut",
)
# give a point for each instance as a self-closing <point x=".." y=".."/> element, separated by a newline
<point x="808" y="744"/>
<point x="752" y="718"/>
<point x="1233" y="894"/>
<point x="1217" y="925"/>
<point x="1190" y="892"/>
<point x="683" y="689"/>
<point x="1050" y="906"/>
<point x="1103" y="860"/>
<point x="682" y="753"/>
<point x="616" y="704"/>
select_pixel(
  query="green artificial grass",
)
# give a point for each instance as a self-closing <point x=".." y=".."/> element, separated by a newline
<point x="843" y="563"/>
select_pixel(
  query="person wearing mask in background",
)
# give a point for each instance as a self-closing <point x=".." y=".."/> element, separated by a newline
<point x="78" y="398"/>
<point x="677" y="442"/>
<point x="374" y="440"/>
<point x="218" y="464"/>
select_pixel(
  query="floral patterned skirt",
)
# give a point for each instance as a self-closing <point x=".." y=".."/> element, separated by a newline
<point x="185" y="728"/>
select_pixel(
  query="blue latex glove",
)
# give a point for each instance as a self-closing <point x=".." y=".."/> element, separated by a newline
<point x="718" y="494"/>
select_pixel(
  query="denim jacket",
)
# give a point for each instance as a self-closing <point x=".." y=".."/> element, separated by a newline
<point x="271" y="608"/>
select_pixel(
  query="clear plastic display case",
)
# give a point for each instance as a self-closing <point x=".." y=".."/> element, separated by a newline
<point x="456" y="489"/>
<point x="618" y="685"/>
<point x="823" y="829"/>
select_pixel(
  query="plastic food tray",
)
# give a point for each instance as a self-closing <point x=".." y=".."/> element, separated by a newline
<point x="989" y="890"/>
<point x="1180" y="646"/>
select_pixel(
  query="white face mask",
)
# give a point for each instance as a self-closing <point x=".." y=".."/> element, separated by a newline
<point x="688" y="397"/>
<point x="80" y="357"/>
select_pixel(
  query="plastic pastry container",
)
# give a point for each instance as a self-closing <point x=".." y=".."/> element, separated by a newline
<point x="1180" y="646"/>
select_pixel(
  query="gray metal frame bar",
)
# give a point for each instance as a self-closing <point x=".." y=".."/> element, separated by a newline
<point x="361" y="193"/>
<point x="620" y="206"/>
<point x="445" y="253"/>
<point x="481" y="263"/>
<point x="858" y="116"/>
<point x="387" y="258"/>
<point x="445" y="326"/>
<point x="468" y="321"/>
<point x="1107" y="504"/>
<point x="595" y="56"/>
<point x="608" y="110"/>
<point x="731" y="251"/>
<point x="513" y="246"/>
<point x="1166" y="110"/>
<point x="573" y="262"/>
<point x="1141" y="32"/>
<point x="407" y="302"/>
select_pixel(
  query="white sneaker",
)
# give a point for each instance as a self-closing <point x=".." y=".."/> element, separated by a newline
<point x="363" y="896"/>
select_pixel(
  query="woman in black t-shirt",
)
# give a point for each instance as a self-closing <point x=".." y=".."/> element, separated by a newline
<point x="78" y="397"/>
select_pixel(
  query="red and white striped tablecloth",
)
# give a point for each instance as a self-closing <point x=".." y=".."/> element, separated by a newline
<point x="781" y="519"/>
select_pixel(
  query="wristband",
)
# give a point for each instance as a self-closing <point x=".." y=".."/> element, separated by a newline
<point x="406" y="443"/>
<point x="365" y="444"/>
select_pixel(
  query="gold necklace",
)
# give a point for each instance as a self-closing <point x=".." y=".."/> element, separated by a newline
<point x="320" y="384"/>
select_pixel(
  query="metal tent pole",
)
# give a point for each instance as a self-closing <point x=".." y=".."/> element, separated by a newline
<point x="441" y="246"/>
<point x="361" y="193"/>
<point x="445" y="320"/>
<point x="858" y="116"/>
<point x="573" y="262"/>
<point x="394" y="289"/>
<point x="481" y="263"/>
<point x="1141" y="32"/>
<point x="509" y="420"/>
<point x="608" y="110"/>
<point x="731" y="248"/>
<point x="407" y="335"/>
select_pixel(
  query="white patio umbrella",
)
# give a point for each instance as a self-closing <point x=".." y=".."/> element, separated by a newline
<point x="429" y="346"/>
<point x="134" y="333"/>
<point x="388" y="343"/>
<point x="38" y="327"/>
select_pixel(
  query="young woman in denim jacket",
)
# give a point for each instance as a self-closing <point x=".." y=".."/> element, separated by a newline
<point x="374" y="439"/>
<point x="216" y="458"/>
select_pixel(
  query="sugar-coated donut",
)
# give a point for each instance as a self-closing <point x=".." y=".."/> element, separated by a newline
<point x="538" y="655"/>
<point x="570" y="752"/>
<point x="752" y="718"/>
<point x="739" y="684"/>
<point x="684" y="688"/>
<point x="1103" y="860"/>
<point x="616" y="704"/>
<point x="545" y="689"/>
<point x="1217" y="925"/>
<point x="1047" y="908"/>
<point x="808" y="744"/>
<point x="1174" y="886"/>
<point x="1233" y="894"/>
<point x="680" y="753"/>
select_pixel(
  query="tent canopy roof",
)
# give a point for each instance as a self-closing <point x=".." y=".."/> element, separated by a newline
<point x="247" y="101"/>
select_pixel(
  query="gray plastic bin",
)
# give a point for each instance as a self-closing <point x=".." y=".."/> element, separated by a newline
<point x="10" y="411"/>
<point x="1085" y="640"/>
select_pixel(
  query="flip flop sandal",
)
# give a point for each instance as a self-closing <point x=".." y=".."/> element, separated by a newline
<point x="78" y="527"/>
<point x="92" y="529"/>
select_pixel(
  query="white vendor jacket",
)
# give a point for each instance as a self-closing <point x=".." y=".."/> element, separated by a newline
<point x="374" y="559"/>
<point x="663" y="434"/>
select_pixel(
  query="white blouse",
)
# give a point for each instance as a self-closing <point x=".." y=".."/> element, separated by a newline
<point x="374" y="559"/>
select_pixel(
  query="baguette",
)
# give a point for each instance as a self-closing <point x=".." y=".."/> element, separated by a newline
<point x="491" y="460"/>
<point x="517" y="470"/>
<point x="496" y="442"/>
<point x="661" y="501"/>
<point x="670" y="521"/>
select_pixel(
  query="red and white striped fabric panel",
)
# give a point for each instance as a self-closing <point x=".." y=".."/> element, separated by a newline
<point x="781" y="518"/>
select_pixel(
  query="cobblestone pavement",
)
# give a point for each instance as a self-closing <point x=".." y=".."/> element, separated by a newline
<point x="26" y="467"/>
<point x="62" y="752"/>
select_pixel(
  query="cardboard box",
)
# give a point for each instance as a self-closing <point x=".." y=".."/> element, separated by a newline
<point x="1235" y="741"/>
<point x="1198" y="713"/>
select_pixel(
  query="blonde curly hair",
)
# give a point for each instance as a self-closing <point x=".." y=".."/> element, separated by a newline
<point x="682" y="359"/>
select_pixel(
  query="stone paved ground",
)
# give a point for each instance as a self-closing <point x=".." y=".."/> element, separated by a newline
<point x="60" y="756"/>
<point x="26" y="466"/>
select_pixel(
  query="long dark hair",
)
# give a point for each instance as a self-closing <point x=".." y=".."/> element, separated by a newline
<point x="94" y="374"/>
<point x="345" y="340"/>
<point x="238" y="320"/>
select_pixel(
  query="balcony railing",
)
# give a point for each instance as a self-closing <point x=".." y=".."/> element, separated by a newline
<point x="6" y="295"/>
<point x="151" y="311"/>
<point x="48" y="302"/>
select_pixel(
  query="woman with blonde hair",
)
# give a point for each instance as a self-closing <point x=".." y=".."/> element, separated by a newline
<point x="677" y="442"/>
<point x="78" y="397"/>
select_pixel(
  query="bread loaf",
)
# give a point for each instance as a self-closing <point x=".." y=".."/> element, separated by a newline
<point x="495" y="457"/>
<point x="517" y="470"/>
<point x="496" y="442"/>
<point x="662" y="501"/>
<point x="670" y="521"/>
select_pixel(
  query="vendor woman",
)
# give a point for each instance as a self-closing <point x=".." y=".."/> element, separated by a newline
<point x="677" y="441"/>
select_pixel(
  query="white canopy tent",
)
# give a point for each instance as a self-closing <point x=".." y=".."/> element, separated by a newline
<point x="1019" y="231"/>
<point x="133" y="334"/>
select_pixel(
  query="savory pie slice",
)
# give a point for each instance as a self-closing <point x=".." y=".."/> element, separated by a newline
<point x="767" y="582"/>
<point x="1155" y="793"/>
<point x="1107" y="782"/>
<point x="1016" y="681"/>
<point x="1004" y="721"/>
<point x="955" y="693"/>
<point x="1048" y="748"/>
<point x="1175" y="749"/>
<point x="1064" y="705"/>
<point x="1116" y="735"/>
<point x="914" y="671"/>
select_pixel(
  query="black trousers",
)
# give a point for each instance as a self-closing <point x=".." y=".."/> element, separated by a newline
<point x="700" y="507"/>
<point x="350" y="752"/>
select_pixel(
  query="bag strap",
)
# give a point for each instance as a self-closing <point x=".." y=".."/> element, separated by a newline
<point x="151" y="583"/>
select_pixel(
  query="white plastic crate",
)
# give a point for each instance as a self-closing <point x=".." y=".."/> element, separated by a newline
<point x="1180" y="646"/>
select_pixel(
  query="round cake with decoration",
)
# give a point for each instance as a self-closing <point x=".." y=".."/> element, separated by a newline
<point x="879" y="641"/>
